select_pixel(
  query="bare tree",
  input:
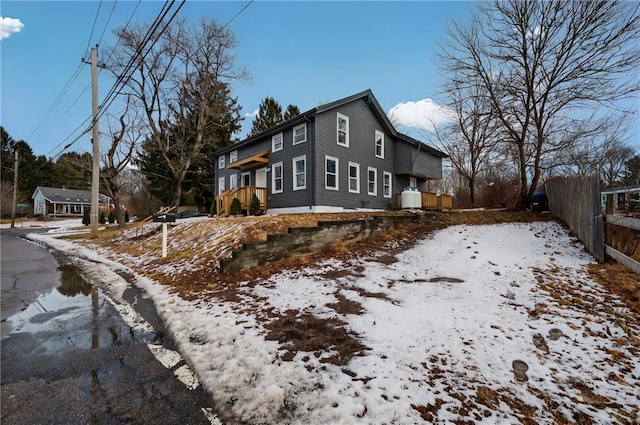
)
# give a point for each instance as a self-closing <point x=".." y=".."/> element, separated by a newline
<point x="124" y="138"/>
<point x="180" y="87"/>
<point x="470" y="139"/>
<point x="543" y="64"/>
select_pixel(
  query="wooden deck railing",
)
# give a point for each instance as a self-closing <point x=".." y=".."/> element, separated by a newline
<point x="431" y="201"/>
<point x="244" y="195"/>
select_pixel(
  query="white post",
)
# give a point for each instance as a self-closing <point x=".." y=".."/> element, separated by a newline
<point x="164" y="240"/>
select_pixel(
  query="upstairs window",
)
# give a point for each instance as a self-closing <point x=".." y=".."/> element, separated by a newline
<point x="300" y="173"/>
<point x="343" y="130"/>
<point x="300" y="134"/>
<point x="221" y="162"/>
<point x="276" y="142"/>
<point x="379" y="139"/>
<point x="233" y="157"/>
<point x="331" y="173"/>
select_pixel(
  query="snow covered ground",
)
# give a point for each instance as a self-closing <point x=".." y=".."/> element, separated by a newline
<point x="486" y="324"/>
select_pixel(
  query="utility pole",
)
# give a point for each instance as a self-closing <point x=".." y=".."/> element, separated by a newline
<point x="95" y="176"/>
<point x="15" y="190"/>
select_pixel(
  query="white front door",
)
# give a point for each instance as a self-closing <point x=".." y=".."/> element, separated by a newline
<point x="261" y="177"/>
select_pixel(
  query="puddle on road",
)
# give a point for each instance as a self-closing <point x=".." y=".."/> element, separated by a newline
<point x="73" y="315"/>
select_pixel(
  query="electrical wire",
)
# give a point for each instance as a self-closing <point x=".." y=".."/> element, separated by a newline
<point x="123" y="76"/>
<point x="93" y="27"/>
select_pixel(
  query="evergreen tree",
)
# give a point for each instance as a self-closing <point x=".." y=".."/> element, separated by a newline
<point x="292" y="111"/>
<point x="236" y="207"/>
<point x="632" y="171"/>
<point x="102" y="219"/>
<point x="126" y="216"/>
<point x="112" y="217"/>
<point x="269" y="114"/>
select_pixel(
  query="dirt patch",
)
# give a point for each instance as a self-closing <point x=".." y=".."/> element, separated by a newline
<point x="345" y="305"/>
<point x="307" y="333"/>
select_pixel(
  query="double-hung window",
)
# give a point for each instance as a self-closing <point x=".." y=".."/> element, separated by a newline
<point x="233" y="181"/>
<point x="354" y="177"/>
<point x="220" y="185"/>
<point x="300" y="134"/>
<point x="331" y="173"/>
<point x="276" y="178"/>
<point x="221" y="162"/>
<point x="386" y="184"/>
<point x="343" y="130"/>
<point x="300" y="173"/>
<point x="372" y="181"/>
<point x="379" y="139"/>
<point x="276" y="142"/>
<point x="233" y="157"/>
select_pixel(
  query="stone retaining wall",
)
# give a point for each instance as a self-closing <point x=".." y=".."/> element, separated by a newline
<point x="300" y="241"/>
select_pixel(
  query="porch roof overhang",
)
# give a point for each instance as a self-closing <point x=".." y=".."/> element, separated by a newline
<point x="248" y="163"/>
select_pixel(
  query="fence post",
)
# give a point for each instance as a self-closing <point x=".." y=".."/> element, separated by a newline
<point x="608" y="228"/>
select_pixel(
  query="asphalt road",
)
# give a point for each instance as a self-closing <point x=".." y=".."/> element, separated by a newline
<point x="67" y="357"/>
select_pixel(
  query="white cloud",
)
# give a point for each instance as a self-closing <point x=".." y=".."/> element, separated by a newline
<point x="8" y="26"/>
<point x="422" y="115"/>
<point x="251" y="114"/>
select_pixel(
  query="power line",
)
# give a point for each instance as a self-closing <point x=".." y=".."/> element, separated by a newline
<point x="93" y="27"/>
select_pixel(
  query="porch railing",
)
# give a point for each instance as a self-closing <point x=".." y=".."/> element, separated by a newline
<point x="431" y="201"/>
<point x="244" y="195"/>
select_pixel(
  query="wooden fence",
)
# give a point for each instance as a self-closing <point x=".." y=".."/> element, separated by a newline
<point x="576" y="200"/>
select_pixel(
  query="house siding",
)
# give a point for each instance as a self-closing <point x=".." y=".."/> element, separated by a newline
<point x="424" y="165"/>
<point x="361" y="150"/>
<point x="292" y="198"/>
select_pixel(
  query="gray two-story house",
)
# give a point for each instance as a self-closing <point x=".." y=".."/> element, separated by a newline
<point x="344" y="155"/>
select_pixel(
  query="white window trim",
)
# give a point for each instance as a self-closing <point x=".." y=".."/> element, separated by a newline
<point x="304" y="125"/>
<point x="357" y="177"/>
<point x="295" y="173"/>
<point x="220" y="185"/>
<point x="233" y="157"/>
<point x="221" y="162"/>
<point x="273" y="178"/>
<point x="273" y="142"/>
<point x="346" y="118"/>
<point x="326" y="158"/>
<point x="379" y="133"/>
<point x="233" y="181"/>
<point x="375" y="181"/>
<point x="384" y="175"/>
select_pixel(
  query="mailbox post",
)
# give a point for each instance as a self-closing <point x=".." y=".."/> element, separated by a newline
<point x="164" y="218"/>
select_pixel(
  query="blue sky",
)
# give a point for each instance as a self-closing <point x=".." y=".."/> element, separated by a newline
<point x="301" y="53"/>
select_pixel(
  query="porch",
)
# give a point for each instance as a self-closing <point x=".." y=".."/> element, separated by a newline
<point x="244" y="195"/>
<point x="430" y="201"/>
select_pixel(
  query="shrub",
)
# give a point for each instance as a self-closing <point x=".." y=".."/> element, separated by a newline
<point x="126" y="216"/>
<point x="86" y="218"/>
<point x="254" y="207"/>
<point x="214" y="207"/>
<point x="102" y="219"/>
<point x="112" y="217"/>
<point x="236" y="207"/>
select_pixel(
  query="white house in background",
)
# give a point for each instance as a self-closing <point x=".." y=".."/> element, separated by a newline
<point x="58" y="202"/>
<point x="624" y="197"/>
